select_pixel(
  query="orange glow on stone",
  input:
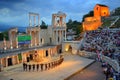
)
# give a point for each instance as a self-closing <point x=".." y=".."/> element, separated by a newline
<point x="92" y="23"/>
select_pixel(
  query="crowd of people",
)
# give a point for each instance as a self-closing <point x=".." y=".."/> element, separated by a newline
<point x="104" y="42"/>
<point x="41" y="66"/>
<point x="109" y="71"/>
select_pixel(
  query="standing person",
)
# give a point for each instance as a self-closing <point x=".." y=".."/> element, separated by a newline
<point x="41" y="67"/>
<point x="49" y="65"/>
<point x="37" y="67"/>
<point x="33" y="67"/>
<point x="24" y="66"/>
<point x="29" y="67"/>
<point x="107" y="73"/>
<point x="111" y="72"/>
<point x="46" y="66"/>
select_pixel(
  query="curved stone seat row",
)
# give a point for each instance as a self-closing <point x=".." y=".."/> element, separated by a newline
<point x="42" y="66"/>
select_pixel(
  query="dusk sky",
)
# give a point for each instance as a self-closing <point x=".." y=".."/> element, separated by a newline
<point x="15" y="12"/>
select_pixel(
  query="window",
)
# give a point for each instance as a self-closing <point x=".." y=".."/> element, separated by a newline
<point x="58" y="39"/>
<point x="97" y="8"/>
<point x="104" y="12"/>
<point x="50" y="40"/>
<point x="46" y="53"/>
<point x="41" y="40"/>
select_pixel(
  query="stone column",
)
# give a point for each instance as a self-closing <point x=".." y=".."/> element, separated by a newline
<point x="16" y="42"/>
<point x="13" y="60"/>
<point x="49" y="52"/>
<point x="6" y="61"/>
<point x="65" y="35"/>
<point x="60" y="36"/>
<point x="1" y="61"/>
<point x="61" y="21"/>
<point x="34" y="20"/>
<point x="1" y="65"/>
<point x="10" y="40"/>
<point x="22" y="58"/>
<point x="56" y="36"/>
<point x="18" y="59"/>
<point x="31" y="37"/>
<point x="35" y="37"/>
<point x="53" y="20"/>
<point x="30" y="25"/>
<point x="38" y="20"/>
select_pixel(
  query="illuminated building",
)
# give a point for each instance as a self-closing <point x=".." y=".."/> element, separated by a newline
<point x="92" y="23"/>
<point x="43" y="42"/>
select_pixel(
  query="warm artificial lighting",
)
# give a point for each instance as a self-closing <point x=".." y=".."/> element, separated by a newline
<point x="93" y="22"/>
<point x="66" y="49"/>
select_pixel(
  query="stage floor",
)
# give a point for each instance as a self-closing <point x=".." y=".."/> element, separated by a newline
<point x="70" y="65"/>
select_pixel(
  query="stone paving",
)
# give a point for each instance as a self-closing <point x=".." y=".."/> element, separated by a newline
<point x="93" y="72"/>
<point x="71" y="65"/>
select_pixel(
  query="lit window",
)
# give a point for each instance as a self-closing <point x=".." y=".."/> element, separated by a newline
<point x="104" y="12"/>
<point x="97" y="8"/>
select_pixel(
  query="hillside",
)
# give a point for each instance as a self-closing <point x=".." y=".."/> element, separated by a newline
<point x="114" y="20"/>
<point x="109" y="21"/>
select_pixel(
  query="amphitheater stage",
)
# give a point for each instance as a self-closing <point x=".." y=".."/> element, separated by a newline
<point x="70" y="65"/>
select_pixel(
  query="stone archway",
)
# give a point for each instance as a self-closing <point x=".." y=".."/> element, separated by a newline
<point x="70" y="48"/>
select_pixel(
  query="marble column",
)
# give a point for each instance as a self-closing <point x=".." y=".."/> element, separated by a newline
<point x="1" y="62"/>
<point x="13" y="60"/>
<point x="34" y="21"/>
<point x="38" y="20"/>
<point x="6" y="61"/>
<point x="18" y="59"/>
<point x="65" y="35"/>
<point x="56" y="36"/>
<point x="35" y="38"/>
<point x="16" y="42"/>
<point x="31" y="37"/>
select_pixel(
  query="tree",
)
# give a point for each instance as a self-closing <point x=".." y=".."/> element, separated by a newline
<point x="43" y="25"/>
<point x="4" y="35"/>
<point x="75" y="26"/>
<point x="69" y="24"/>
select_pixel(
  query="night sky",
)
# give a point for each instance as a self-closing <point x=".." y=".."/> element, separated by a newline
<point x="15" y="12"/>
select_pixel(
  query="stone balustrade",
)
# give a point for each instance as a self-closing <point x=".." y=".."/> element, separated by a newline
<point x="87" y="54"/>
<point x="111" y="62"/>
<point x="42" y="66"/>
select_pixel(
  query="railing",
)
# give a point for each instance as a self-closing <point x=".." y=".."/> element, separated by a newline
<point x="115" y="21"/>
<point x="42" y="66"/>
<point x="111" y="62"/>
<point x="87" y="54"/>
